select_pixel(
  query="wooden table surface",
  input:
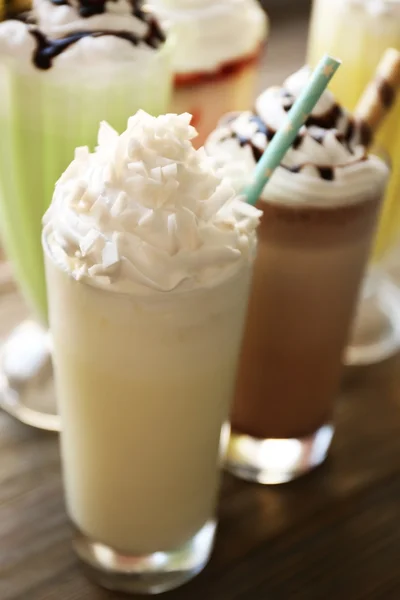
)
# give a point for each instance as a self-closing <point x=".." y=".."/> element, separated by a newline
<point x="334" y="534"/>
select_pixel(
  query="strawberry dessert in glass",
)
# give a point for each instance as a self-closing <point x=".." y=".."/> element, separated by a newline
<point x="218" y="46"/>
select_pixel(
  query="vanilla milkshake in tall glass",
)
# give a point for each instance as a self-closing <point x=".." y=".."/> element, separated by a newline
<point x="148" y="261"/>
<point x="320" y="212"/>
<point x="70" y="65"/>
<point x="218" y="44"/>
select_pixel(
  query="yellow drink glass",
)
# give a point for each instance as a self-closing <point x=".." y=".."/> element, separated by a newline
<point x="358" y="32"/>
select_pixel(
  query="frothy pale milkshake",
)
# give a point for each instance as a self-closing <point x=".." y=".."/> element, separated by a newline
<point x="320" y="210"/>
<point x="148" y="264"/>
<point x="218" y="43"/>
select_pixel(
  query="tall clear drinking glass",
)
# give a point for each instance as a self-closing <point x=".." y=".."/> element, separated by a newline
<point x="144" y="384"/>
<point x="359" y="32"/>
<point x="307" y="275"/>
<point x="44" y="116"/>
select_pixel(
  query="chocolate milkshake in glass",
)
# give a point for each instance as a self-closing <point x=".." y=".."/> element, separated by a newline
<point x="148" y="262"/>
<point x="218" y="44"/>
<point x="320" y="212"/>
<point x="67" y="67"/>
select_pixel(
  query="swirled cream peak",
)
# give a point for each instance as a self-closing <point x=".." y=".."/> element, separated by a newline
<point x="147" y="211"/>
<point x="211" y="33"/>
<point x="327" y="158"/>
<point x="16" y="41"/>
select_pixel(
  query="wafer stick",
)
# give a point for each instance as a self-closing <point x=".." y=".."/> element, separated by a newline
<point x="379" y="95"/>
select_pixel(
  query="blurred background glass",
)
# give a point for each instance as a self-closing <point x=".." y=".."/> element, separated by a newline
<point x="359" y="32"/>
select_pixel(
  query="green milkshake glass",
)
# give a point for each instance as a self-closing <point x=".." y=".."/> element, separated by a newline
<point x="63" y="70"/>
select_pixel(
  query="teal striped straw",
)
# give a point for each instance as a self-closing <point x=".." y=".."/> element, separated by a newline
<point x="296" y="117"/>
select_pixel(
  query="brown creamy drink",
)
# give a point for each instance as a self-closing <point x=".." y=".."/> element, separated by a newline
<point x="307" y="273"/>
<point x="320" y="211"/>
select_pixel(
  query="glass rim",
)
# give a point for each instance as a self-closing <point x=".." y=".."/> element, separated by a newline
<point x="381" y="152"/>
<point x="364" y="3"/>
<point x="164" y="53"/>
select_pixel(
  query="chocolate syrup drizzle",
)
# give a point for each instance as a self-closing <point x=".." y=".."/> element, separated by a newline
<point x="90" y="8"/>
<point x="245" y="141"/>
<point x="322" y="125"/>
<point x="48" y="48"/>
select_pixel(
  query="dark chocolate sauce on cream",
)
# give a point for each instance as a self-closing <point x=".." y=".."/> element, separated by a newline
<point x="49" y="48"/>
<point x="326" y="173"/>
<point x="287" y="100"/>
<point x="316" y="127"/>
<point x="90" y="8"/>
<point x="327" y="120"/>
<point x="246" y="141"/>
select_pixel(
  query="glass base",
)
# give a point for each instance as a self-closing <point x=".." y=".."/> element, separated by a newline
<point x="26" y="377"/>
<point x="376" y="330"/>
<point x="274" y="461"/>
<point x="150" y="574"/>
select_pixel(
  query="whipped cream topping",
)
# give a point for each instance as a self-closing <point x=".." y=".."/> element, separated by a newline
<point x="67" y="31"/>
<point x="58" y="18"/>
<point x="211" y="33"/>
<point x="146" y="211"/>
<point x="16" y="41"/>
<point x="327" y="164"/>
